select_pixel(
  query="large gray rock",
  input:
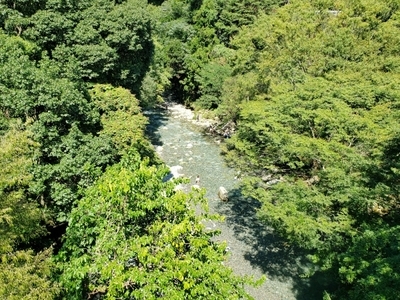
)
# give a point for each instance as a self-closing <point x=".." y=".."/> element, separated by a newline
<point x="223" y="194"/>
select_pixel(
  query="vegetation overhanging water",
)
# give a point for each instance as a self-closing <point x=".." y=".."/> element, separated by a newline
<point x="253" y="248"/>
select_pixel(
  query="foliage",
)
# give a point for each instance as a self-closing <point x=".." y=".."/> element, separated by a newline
<point x="72" y="135"/>
<point x="317" y="112"/>
<point x="210" y="81"/>
<point x="236" y="14"/>
<point x="121" y="116"/>
<point x="132" y="235"/>
<point x="192" y="34"/>
<point x="19" y="217"/>
<point x="23" y="274"/>
<point x="157" y="78"/>
<point x="67" y="124"/>
<point x="64" y="121"/>
<point x="110" y="41"/>
<point x="371" y="264"/>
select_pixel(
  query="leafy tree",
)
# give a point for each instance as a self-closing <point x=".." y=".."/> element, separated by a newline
<point x="25" y="7"/>
<point x="23" y="273"/>
<point x="316" y="108"/>
<point x="69" y="157"/>
<point x="192" y="33"/>
<point x="210" y="81"/>
<point x="121" y="117"/>
<point x="236" y="14"/>
<point x="49" y="29"/>
<point x="371" y="264"/>
<point x="111" y="41"/>
<point x="19" y="217"/>
<point x="132" y="235"/>
<point x="157" y="79"/>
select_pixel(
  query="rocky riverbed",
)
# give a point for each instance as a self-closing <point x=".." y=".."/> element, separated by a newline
<point x="254" y="249"/>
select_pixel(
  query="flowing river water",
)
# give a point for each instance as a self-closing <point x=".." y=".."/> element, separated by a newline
<point x="253" y="248"/>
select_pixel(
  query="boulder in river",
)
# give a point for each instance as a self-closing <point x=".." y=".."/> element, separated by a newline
<point x="175" y="171"/>
<point x="223" y="194"/>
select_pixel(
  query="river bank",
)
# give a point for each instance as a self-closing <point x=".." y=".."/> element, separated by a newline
<point x="253" y="248"/>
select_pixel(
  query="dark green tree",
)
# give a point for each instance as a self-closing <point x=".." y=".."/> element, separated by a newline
<point x="210" y="80"/>
<point x="110" y="41"/>
<point x="64" y="120"/>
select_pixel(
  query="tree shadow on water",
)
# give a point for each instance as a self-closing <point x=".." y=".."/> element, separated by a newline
<point x="157" y="119"/>
<point x="266" y="251"/>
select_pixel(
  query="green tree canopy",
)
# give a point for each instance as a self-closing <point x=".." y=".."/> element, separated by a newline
<point x="23" y="273"/>
<point x="316" y="105"/>
<point x="132" y="235"/>
<point x="110" y="41"/>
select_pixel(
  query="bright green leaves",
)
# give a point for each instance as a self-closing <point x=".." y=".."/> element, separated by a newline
<point x="121" y="118"/>
<point x="306" y="216"/>
<point x="372" y="264"/>
<point x="316" y="92"/>
<point x="23" y="274"/>
<point x="132" y="235"/>
<point x="19" y="218"/>
<point x="227" y="17"/>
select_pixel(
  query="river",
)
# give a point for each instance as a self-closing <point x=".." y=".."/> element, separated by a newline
<point x="253" y="247"/>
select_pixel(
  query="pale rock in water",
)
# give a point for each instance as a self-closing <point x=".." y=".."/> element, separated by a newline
<point x="175" y="171"/>
<point x="223" y="194"/>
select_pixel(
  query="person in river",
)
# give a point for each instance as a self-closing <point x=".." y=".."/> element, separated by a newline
<point x="198" y="180"/>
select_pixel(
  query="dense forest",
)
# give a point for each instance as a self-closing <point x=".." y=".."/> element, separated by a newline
<point x="311" y="90"/>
